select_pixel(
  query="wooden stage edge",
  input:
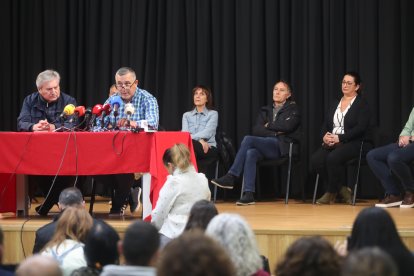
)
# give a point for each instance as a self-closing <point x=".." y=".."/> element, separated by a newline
<point x="275" y="224"/>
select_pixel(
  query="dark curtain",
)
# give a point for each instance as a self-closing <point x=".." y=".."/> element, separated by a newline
<point x="239" y="48"/>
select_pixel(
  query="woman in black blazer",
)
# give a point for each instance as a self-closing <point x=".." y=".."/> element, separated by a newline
<point x="345" y="126"/>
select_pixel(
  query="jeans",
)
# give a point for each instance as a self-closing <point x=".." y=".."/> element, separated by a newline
<point x="252" y="150"/>
<point x="389" y="162"/>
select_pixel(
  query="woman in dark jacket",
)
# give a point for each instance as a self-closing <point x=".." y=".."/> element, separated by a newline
<point x="346" y="125"/>
<point x="275" y="127"/>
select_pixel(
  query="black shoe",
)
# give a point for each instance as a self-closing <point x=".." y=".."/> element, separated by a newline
<point x="246" y="199"/>
<point x="41" y="210"/>
<point x="226" y="181"/>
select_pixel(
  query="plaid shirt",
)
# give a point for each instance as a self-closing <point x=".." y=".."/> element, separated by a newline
<point x="146" y="108"/>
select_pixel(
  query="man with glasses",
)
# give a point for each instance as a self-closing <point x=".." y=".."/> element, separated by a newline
<point x="145" y="104"/>
<point x="41" y="111"/>
<point x="145" y="108"/>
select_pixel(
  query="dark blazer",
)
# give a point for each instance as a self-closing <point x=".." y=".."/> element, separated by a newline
<point x="286" y="127"/>
<point x="35" y="108"/>
<point x="44" y="234"/>
<point x="356" y="121"/>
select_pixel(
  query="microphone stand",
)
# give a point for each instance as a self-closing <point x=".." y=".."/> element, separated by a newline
<point x="62" y="128"/>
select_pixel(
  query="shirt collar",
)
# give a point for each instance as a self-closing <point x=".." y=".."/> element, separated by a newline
<point x="204" y="112"/>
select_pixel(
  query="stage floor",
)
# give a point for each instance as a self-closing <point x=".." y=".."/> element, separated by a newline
<point x="275" y="224"/>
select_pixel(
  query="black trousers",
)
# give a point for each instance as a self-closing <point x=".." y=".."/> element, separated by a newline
<point x="121" y="183"/>
<point x="44" y="182"/>
<point x="204" y="159"/>
<point x="331" y="164"/>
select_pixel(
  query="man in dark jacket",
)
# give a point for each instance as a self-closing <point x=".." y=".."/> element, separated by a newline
<point x="43" y="111"/>
<point x="69" y="197"/>
<point x="275" y="128"/>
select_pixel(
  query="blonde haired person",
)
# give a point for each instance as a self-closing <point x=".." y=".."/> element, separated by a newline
<point x="66" y="245"/>
<point x="183" y="187"/>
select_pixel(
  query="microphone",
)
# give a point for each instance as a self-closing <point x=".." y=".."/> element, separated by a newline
<point x="67" y="111"/>
<point x="97" y="110"/>
<point x="106" y="109"/>
<point x="87" y="119"/>
<point x="115" y="102"/>
<point x="79" y="111"/>
<point x="129" y="110"/>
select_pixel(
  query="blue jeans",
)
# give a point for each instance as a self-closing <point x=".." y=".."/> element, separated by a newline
<point x="389" y="161"/>
<point x="252" y="150"/>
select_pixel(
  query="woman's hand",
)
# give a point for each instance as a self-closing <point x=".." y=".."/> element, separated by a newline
<point x="330" y="139"/>
<point x="205" y="145"/>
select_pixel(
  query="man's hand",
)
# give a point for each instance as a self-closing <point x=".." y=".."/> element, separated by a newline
<point x="403" y="141"/>
<point x="43" y="125"/>
<point x="124" y="123"/>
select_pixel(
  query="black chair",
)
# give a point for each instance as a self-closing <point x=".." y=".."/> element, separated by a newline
<point x="276" y="163"/>
<point x="355" y="161"/>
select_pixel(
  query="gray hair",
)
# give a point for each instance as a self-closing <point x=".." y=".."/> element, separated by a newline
<point x="125" y="70"/>
<point x="70" y="197"/>
<point x="236" y="236"/>
<point x="46" y="76"/>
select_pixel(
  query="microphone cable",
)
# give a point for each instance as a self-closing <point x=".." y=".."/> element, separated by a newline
<point x="76" y="158"/>
<point x="21" y="236"/>
<point x="57" y="173"/>
<point x="122" y="143"/>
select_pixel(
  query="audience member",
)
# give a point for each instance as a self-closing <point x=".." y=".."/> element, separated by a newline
<point x="344" y="128"/>
<point x="194" y="254"/>
<point x="369" y="261"/>
<point x="183" y="187"/>
<point x="112" y="90"/>
<point x="237" y="238"/>
<point x="202" y="122"/>
<point x="375" y="227"/>
<point x="145" y="108"/>
<point x="69" y="197"/>
<point x="4" y="270"/>
<point x="41" y="111"/>
<point x="200" y="215"/>
<point x="66" y="245"/>
<point x="140" y="249"/>
<point x="392" y="165"/>
<point x="38" y="265"/>
<point x="276" y="126"/>
<point x="310" y="256"/>
<point x="100" y="249"/>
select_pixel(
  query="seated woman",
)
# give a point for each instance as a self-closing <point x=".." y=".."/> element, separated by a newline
<point x="183" y="187"/>
<point x="66" y="245"/>
<point x="276" y="126"/>
<point x="345" y="126"/>
<point x="395" y="160"/>
<point x="201" y="122"/>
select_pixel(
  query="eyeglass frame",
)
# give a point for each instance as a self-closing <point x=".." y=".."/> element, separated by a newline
<point x="122" y="85"/>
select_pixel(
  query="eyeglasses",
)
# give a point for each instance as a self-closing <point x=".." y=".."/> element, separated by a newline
<point x="349" y="83"/>
<point x="127" y="85"/>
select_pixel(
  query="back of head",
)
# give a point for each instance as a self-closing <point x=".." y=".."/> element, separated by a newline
<point x="236" y="236"/>
<point x="38" y="265"/>
<point x="101" y="245"/>
<point x="70" y="197"/>
<point x="74" y="224"/>
<point x="140" y="243"/>
<point x="310" y="256"/>
<point x="178" y="155"/>
<point x="200" y="215"/>
<point x="369" y="261"/>
<point x="193" y="253"/>
<point x="374" y="227"/>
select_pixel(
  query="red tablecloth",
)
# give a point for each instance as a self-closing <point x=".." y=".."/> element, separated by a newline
<point x="89" y="153"/>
